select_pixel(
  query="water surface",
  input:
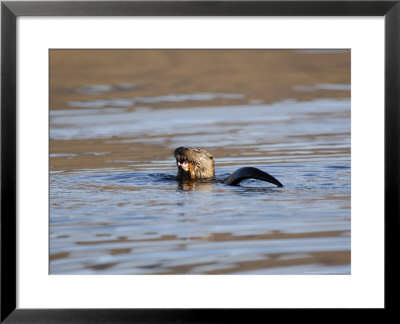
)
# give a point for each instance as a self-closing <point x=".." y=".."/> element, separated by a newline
<point x="116" y="207"/>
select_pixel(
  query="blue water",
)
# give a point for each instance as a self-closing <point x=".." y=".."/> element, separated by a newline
<point x="130" y="215"/>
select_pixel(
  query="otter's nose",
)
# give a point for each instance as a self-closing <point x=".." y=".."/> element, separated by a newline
<point x="178" y="151"/>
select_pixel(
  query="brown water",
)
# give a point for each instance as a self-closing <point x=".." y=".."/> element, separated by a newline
<point x="116" y="118"/>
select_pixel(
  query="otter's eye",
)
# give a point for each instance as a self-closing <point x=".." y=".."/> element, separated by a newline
<point x="211" y="158"/>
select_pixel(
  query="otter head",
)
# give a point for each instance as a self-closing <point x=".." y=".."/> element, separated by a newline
<point x="194" y="163"/>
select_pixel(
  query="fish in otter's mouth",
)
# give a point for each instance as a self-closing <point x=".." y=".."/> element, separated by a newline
<point x="183" y="162"/>
<point x="196" y="163"/>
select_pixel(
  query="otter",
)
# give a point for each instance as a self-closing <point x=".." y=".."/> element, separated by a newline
<point x="195" y="163"/>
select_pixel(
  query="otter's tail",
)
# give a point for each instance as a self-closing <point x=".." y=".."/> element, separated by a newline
<point x="251" y="173"/>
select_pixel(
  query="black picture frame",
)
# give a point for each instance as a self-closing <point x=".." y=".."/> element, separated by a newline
<point x="10" y="10"/>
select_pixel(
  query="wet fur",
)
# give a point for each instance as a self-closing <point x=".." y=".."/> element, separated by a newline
<point x="201" y="163"/>
<point x="201" y="166"/>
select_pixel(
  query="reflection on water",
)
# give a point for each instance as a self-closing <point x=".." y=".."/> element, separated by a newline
<point x="136" y="219"/>
<point x="151" y="100"/>
<point x="116" y="207"/>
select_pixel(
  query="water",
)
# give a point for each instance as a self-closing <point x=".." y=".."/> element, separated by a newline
<point x="116" y="207"/>
<point x="137" y="219"/>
